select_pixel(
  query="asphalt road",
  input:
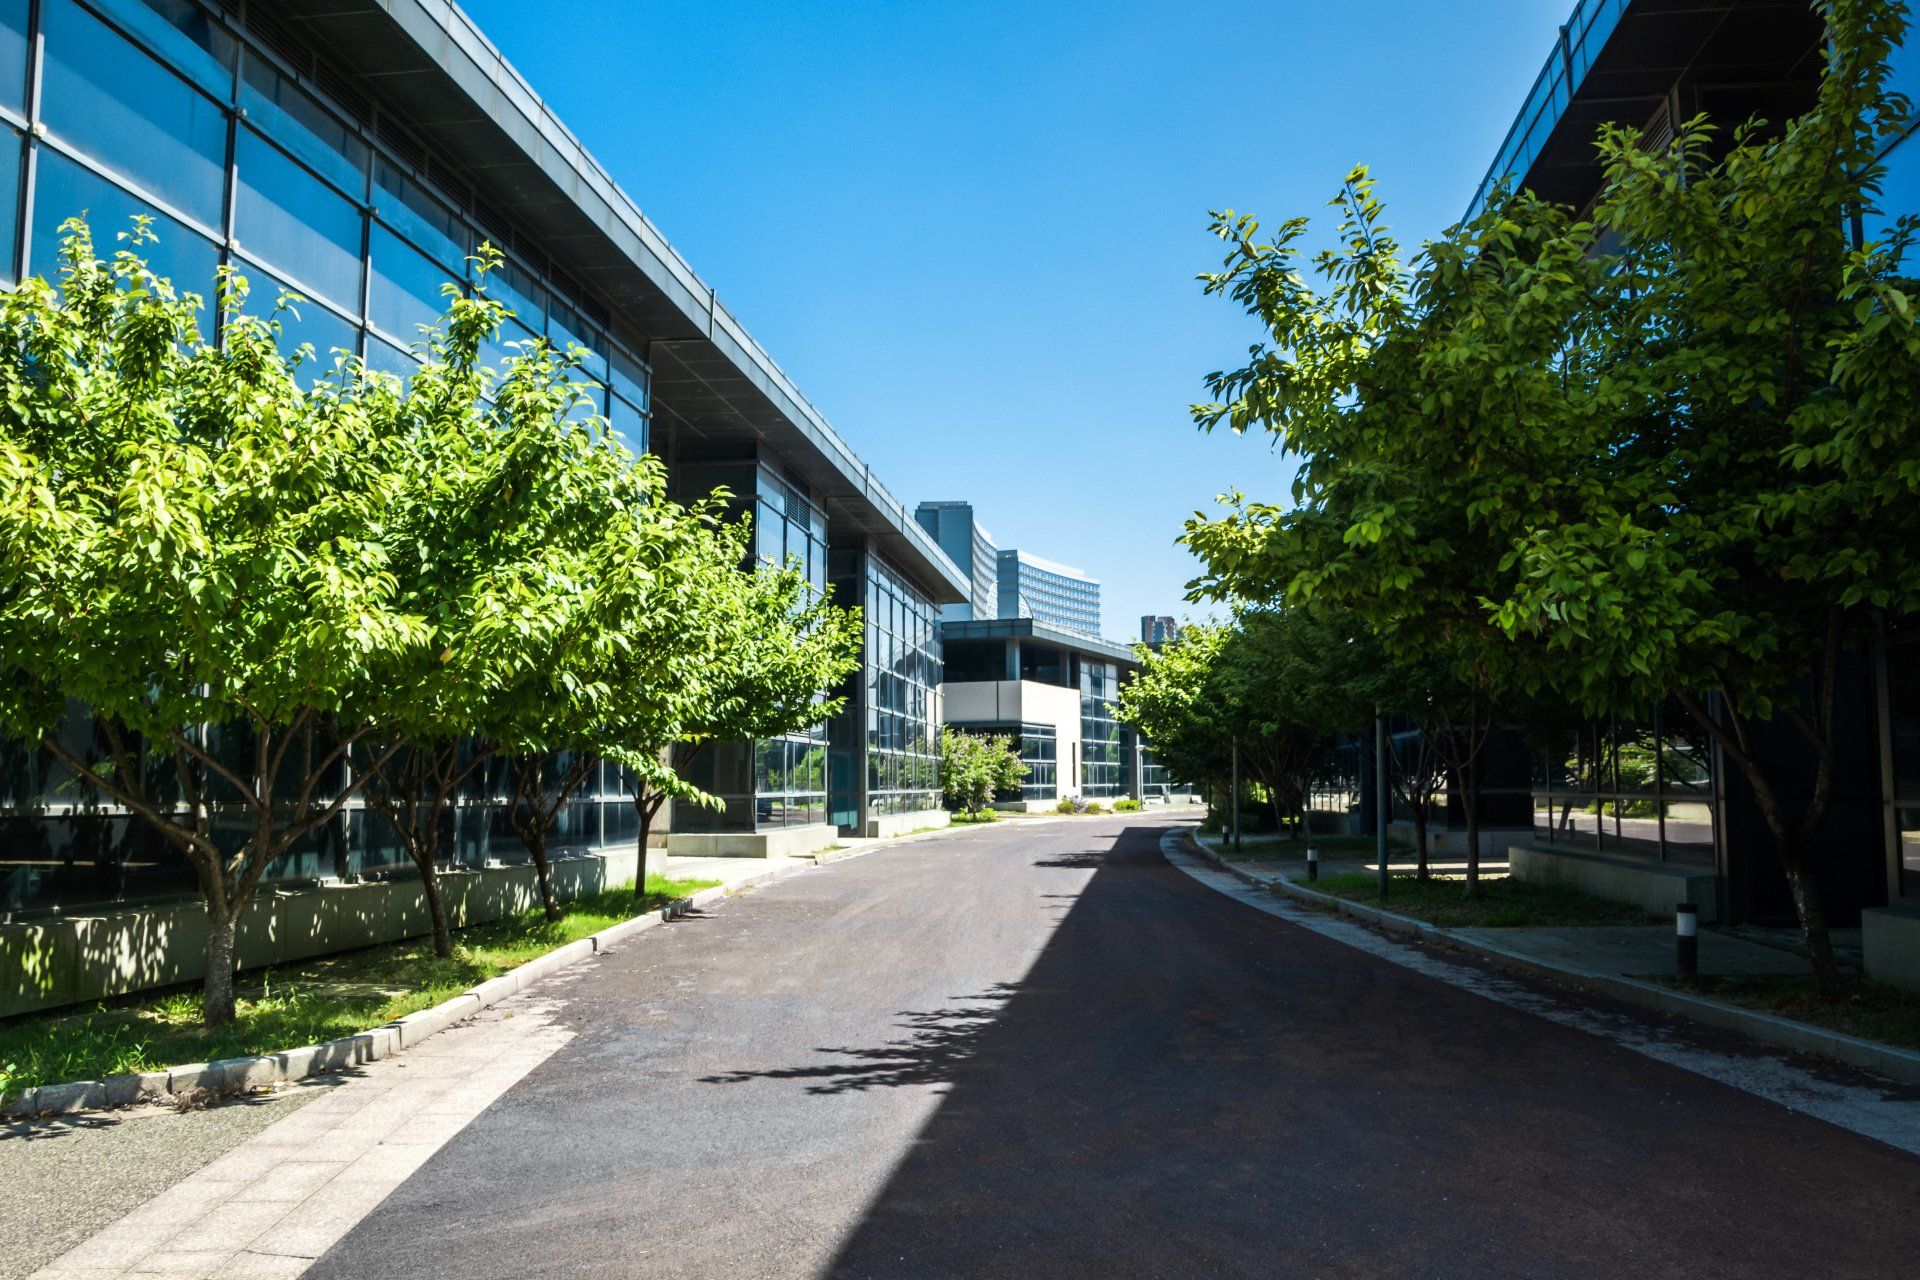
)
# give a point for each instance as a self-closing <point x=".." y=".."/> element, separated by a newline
<point x="1042" y="1052"/>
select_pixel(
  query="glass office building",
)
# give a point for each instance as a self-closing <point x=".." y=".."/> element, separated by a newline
<point x="1654" y="787"/>
<point x="358" y="157"/>
<point x="1055" y="691"/>
<point x="1055" y="595"/>
<point x="972" y="548"/>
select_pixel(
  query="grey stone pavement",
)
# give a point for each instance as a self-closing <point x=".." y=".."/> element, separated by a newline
<point x="1051" y="1050"/>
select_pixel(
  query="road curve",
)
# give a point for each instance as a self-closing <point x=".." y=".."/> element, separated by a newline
<point x="1039" y="1051"/>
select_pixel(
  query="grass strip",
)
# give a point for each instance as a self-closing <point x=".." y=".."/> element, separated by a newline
<point x="1869" y="1010"/>
<point x="304" y="1002"/>
<point x="1500" y="902"/>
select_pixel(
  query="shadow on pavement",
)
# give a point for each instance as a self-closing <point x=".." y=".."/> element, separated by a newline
<point x="939" y="1044"/>
<point x="1182" y="1086"/>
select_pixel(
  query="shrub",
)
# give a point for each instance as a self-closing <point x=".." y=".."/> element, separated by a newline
<point x="1128" y="805"/>
<point x="1067" y="806"/>
<point x="1094" y="807"/>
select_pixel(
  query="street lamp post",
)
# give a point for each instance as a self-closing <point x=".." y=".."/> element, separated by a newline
<point x="1380" y="810"/>
<point x="1233" y="800"/>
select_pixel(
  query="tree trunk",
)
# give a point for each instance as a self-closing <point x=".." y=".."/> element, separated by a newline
<point x="1422" y="871"/>
<point x="537" y="848"/>
<point x="436" y="906"/>
<point x="646" y="810"/>
<point x="1796" y="857"/>
<point x="216" y="1002"/>
<point x="1795" y="842"/>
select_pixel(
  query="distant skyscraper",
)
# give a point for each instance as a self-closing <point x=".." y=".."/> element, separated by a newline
<point x="1009" y="584"/>
<point x="1157" y="631"/>
<point x="1050" y="593"/>
<point x="970" y="547"/>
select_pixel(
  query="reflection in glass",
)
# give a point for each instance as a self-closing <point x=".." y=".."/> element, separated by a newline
<point x="124" y="109"/>
<point x="287" y="217"/>
<point x="63" y="189"/>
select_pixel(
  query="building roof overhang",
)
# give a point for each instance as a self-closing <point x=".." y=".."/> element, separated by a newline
<point x="1029" y="629"/>
<point x="425" y="62"/>
<point x="1616" y="61"/>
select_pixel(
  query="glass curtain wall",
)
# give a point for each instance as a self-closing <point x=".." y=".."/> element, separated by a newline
<point x="1039" y="746"/>
<point x="1644" y="787"/>
<point x="903" y="680"/>
<point x="167" y="109"/>
<point x="1102" y="763"/>
<point x="790" y="773"/>
<point x="1903" y="768"/>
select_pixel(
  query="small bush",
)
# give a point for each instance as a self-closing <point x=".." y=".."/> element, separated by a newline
<point x="1067" y="806"/>
<point x="1128" y="805"/>
<point x="1094" y="806"/>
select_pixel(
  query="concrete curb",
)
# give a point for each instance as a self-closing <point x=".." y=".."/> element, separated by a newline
<point x="1902" y="1065"/>
<point x="236" y="1075"/>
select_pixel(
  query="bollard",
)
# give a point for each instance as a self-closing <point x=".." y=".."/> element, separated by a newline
<point x="1313" y="861"/>
<point x="1686" y="939"/>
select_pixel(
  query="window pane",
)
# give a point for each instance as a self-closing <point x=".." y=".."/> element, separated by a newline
<point x="628" y="424"/>
<point x="284" y="112"/>
<point x="404" y="205"/>
<point x="630" y="379"/>
<point x="10" y="153"/>
<point x="404" y="293"/>
<point x="289" y="218"/>
<point x="126" y="110"/>
<point x="13" y="53"/>
<point x="567" y="329"/>
<point x="304" y="322"/>
<point x="62" y="189"/>
<point x="184" y="34"/>
<point x="516" y="287"/>
<point x="387" y="358"/>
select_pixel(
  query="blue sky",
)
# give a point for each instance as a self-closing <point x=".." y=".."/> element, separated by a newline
<point x="969" y="231"/>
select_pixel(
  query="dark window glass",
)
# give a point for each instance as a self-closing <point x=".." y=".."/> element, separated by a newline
<point x="184" y="34"/>
<point x="404" y="205"/>
<point x="290" y="219"/>
<point x="63" y="189"/>
<point x="285" y="113"/>
<point x="1903" y="697"/>
<point x="304" y="322"/>
<point x="13" y="53"/>
<point x="126" y="110"/>
<point x="405" y="291"/>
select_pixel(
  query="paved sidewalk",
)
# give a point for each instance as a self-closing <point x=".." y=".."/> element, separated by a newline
<point x="270" y="1206"/>
<point x="1632" y="951"/>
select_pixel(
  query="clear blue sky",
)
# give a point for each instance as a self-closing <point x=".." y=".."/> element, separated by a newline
<point x="969" y="231"/>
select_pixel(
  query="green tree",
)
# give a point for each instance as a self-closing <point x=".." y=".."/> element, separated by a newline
<point x="196" y="552"/>
<point x="974" y="767"/>
<point x="1679" y="460"/>
<point x="471" y="532"/>
<point x="775" y="649"/>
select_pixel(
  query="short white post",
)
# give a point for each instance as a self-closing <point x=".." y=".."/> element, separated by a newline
<point x="1686" y="939"/>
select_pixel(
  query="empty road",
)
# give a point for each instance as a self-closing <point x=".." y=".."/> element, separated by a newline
<point x="1041" y="1051"/>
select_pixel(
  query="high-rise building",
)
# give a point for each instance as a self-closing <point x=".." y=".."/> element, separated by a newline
<point x="1156" y="631"/>
<point x="972" y="548"/>
<point x="1054" y="594"/>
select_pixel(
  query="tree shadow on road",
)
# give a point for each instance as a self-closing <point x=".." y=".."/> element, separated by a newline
<point x="938" y="1044"/>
